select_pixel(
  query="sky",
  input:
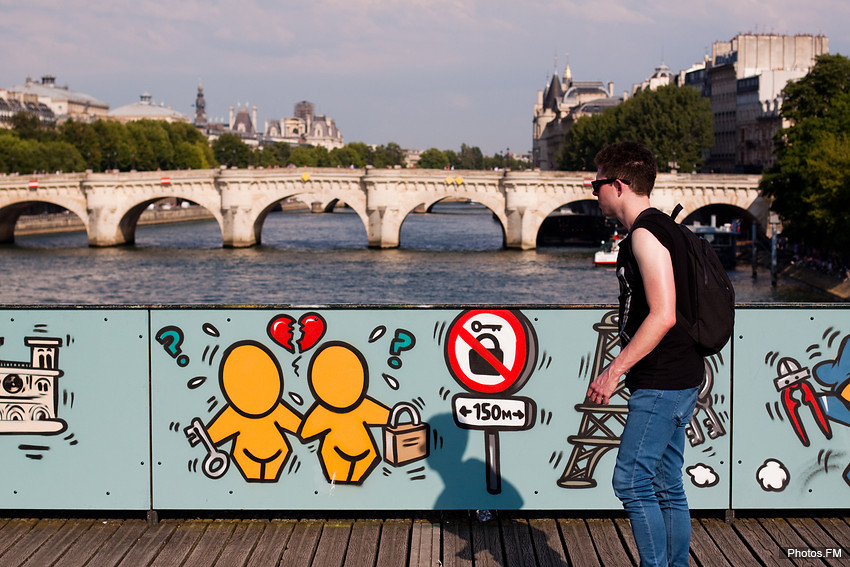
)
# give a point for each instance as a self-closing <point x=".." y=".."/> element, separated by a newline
<point x="420" y="73"/>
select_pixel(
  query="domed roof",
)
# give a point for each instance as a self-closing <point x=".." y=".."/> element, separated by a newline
<point x="146" y="109"/>
<point x="47" y="88"/>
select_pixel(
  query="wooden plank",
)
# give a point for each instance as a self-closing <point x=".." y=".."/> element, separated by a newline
<point x="577" y="542"/>
<point x="785" y="537"/>
<point x="57" y="545"/>
<point x="547" y="542"/>
<point x="838" y="530"/>
<point x="624" y="528"/>
<point x="703" y="548"/>
<point x="487" y="544"/>
<point x="457" y="541"/>
<point x="113" y="549"/>
<point x="392" y="549"/>
<point x="238" y="548"/>
<point x="13" y="530"/>
<point x="815" y="536"/>
<point x="302" y="544"/>
<point x="424" y="543"/>
<point x="519" y="550"/>
<point x="269" y="548"/>
<point x="606" y="540"/>
<point x="30" y="542"/>
<point x="763" y="546"/>
<point x="211" y="544"/>
<point x="728" y="541"/>
<point x="149" y="544"/>
<point x="333" y="543"/>
<point x="363" y="543"/>
<point x="181" y="542"/>
<point x="89" y="543"/>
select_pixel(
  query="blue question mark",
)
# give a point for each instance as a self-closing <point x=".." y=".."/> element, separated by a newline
<point x="171" y="338"/>
<point x="403" y="340"/>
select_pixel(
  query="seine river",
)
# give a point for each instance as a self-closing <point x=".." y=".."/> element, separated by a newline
<point x="453" y="256"/>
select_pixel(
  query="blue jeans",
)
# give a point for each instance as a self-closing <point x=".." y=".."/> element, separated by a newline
<point x="648" y="474"/>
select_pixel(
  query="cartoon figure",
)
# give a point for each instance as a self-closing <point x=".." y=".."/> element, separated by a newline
<point x="255" y="416"/>
<point x="341" y="416"/>
<point x="835" y="374"/>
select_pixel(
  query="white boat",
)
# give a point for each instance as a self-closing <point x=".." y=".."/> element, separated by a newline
<point x="607" y="255"/>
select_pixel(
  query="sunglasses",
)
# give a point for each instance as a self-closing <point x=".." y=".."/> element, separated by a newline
<point x="598" y="183"/>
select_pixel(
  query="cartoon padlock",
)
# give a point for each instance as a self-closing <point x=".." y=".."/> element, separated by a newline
<point x="478" y="364"/>
<point x="405" y="442"/>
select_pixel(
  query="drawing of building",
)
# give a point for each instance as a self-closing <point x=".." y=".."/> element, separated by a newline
<point x="29" y="392"/>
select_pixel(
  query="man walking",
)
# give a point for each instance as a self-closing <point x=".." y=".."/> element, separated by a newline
<point x="662" y="366"/>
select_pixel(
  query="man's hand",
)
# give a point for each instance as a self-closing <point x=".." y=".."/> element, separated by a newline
<point x="603" y="387"/>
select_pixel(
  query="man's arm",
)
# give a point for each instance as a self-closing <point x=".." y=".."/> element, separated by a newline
<point x="656" y="269"/>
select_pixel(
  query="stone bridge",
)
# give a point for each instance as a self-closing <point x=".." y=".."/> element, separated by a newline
<point x="110" y="204"/>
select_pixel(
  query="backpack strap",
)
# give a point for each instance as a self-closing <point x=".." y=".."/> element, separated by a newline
<point x="676" y="210"/>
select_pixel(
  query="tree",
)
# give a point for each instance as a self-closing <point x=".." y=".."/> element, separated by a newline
<point x="675" y="123"/>
<point x="388" y="156"/>
<point x="432" y="158"/>
<point x="810" y="182"/>
<point x="230" y="150"/>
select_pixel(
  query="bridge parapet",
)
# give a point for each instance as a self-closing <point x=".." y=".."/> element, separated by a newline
<point x="240" y="199"/>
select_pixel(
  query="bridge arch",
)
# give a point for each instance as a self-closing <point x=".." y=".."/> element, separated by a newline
<point x="451" y="205"/>
<point x="12" y="207"/>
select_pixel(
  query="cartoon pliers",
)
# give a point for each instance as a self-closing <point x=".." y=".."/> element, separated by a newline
<point x="792" y="378"/>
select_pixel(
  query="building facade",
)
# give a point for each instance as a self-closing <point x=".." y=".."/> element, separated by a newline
<point x="558" y="106"/>
<point x="61" y="101"/>
<point x="744" y="79"/>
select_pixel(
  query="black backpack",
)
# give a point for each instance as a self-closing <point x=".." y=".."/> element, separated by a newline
<point x="712" y="295"/>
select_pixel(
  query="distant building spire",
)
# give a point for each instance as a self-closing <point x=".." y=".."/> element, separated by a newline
<point x="200" y="108"/>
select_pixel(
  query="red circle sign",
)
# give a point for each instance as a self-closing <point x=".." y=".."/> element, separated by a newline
<point x="491" y="351"/>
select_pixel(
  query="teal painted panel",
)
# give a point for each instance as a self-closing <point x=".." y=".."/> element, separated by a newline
<point x="266" y="409"/>
<point x="74" y="409"/>
<point x="792" y="409"/>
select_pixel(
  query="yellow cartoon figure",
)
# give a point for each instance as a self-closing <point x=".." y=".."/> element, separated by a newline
<point x="255" y="416"/>
<point x="341" y="416"/>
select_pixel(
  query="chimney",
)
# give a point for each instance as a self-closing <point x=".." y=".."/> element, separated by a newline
<point x="230" y="122"/>
<point x="254" y="117"/>
<point x="611" y="88"/>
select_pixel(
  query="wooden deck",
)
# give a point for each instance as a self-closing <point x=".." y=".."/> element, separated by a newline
<point x="427" y="539"/>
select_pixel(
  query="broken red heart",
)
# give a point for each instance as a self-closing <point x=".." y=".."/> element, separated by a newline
<point x="280" y="331"/>
<point x="312" y="330"/>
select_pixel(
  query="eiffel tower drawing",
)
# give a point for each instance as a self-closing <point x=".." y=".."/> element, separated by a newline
<point x="601" y="425"/>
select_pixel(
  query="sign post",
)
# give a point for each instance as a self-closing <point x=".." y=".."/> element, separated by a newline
<point x="492" y="353"/>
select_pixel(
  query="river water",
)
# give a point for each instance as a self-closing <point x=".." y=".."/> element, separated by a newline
<point x="451" y="256"/>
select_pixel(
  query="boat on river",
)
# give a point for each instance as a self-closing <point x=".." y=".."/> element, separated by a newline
<point x="607" y="254"/>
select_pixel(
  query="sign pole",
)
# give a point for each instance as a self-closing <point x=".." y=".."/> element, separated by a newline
<point x="491" y="449"/>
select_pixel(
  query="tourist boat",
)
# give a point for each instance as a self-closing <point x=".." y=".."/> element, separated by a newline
<point x="607" y="255"/>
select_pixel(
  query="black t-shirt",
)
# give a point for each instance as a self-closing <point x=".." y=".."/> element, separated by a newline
<point x="674" y="364"/>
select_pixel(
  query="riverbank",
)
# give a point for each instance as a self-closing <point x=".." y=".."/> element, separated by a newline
<point x="830" y="284"/>
<point x="66" y="222"/>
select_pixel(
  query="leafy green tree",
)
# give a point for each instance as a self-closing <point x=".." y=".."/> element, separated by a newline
<point x="29" y="127"/>
<point x="470" y="157"/>
<point x="118" y="147"/>
<point x="189" y="156"/>
<point x="810" y="182"/>
<point x="230" y="150"/>
<point x="432" y="158"/>
<point x="388" y="156"/>
<point x="675" y="123"/>
<point x="83" y="136"/>
<point x="303" y="156"/>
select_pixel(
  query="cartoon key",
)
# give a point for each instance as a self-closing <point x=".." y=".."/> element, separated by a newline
<point x="216" y="462"/>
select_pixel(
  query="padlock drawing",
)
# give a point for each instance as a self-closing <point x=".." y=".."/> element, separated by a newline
<point x="405" y="442"/>
<point x="478" y="364"/>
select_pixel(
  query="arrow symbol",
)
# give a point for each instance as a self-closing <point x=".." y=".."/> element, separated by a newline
<point x="464" y="411"/>
<point x="519" y="414"/>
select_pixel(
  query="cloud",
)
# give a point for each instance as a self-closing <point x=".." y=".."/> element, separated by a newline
<point x="702" y="475"/>
<point x="773" y="476"/>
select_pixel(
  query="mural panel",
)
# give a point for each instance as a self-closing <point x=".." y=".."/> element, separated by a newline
<point x="792" y="409"/>
<point x="74" y="409"/>
<point x="479" y="408"/>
